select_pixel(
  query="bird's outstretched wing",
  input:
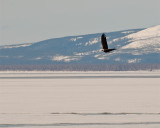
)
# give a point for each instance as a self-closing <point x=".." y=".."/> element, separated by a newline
<point x="104" y="41"/>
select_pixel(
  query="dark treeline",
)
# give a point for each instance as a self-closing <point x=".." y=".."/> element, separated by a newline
<point x="81" y="67"/>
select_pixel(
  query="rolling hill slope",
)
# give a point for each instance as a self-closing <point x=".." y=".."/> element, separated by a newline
<point x="140" y="46"/>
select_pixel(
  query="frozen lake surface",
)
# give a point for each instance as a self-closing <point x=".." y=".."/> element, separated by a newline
<point x="80" y="99"/>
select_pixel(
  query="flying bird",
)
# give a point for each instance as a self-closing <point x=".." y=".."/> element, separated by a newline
<point x="105" y="45"/>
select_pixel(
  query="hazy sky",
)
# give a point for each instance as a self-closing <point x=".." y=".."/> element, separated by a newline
<point x="24" y="21"/>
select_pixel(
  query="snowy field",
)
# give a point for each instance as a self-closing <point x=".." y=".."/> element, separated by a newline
<point x="80" y="99"/>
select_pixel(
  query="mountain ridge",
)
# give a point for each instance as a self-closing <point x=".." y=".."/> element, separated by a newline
<point x="138" y="46"/>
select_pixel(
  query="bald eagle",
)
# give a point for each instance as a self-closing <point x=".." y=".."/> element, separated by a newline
<point x="104" y="44"/>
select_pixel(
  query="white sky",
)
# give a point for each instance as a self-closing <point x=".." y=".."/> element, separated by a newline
<point x="23" y="21"/>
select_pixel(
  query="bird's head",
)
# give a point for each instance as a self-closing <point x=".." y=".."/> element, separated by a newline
<point x="102" y="50"/>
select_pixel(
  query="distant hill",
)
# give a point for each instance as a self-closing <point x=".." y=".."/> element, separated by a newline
<point x="135" y="46"/>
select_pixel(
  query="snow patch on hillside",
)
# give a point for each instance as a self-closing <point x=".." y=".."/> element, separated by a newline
<point x="65" y="58"/>
<point x="117" y="59"/>
<point x="134" y="60"/>
<point x="101" y="57"/>
<point x="16" y="46"/>
<point x="4" y="56"/>
<point x="148" y="38"/>
<point x="86" y="53"/>
<point x="126" y="32"/>
<point x="38" y="58"/>
<point x="94" y="41"/>
<point x="146" y="33"/>
<point x="75" y="39"/>
<point x="148" y="43"/>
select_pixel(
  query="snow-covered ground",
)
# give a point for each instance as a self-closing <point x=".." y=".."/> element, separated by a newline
<point x="98" y="99"/>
